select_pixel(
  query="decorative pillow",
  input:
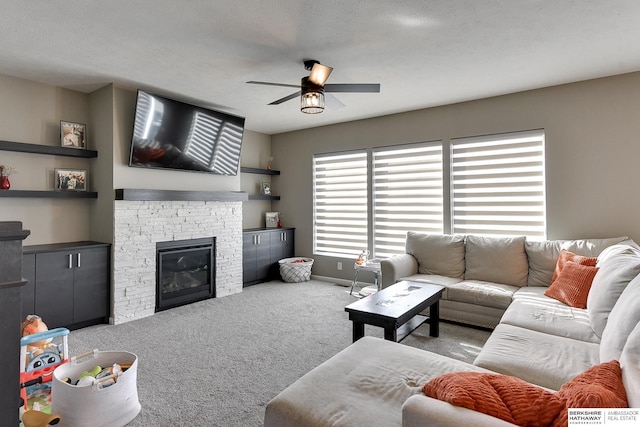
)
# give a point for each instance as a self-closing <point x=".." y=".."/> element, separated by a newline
<point x="441" y="254"/>
<point x="566" y="256"/>
<point x="496" y="259"/>
<point x="502" y="396"/>
<point x="600" y="386"/>
<point x="572" y="284"/>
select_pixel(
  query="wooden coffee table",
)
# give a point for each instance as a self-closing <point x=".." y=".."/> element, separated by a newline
<point x="396" y="308"/>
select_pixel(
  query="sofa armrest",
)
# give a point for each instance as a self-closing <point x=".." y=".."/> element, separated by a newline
<point x="396" y="267"/>
<point x="422" y="411"/>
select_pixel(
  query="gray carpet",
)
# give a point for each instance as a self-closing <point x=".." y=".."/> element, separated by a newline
<point x="218" y="362"/>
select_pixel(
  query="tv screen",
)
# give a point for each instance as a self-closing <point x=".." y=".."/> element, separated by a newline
<point x="171" y="134"/>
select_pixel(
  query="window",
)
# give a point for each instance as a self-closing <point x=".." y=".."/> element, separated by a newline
<point x="488" y="185"/>
<point x="340" y="204"/>
<point x="497" y="185"/>
<point x="407" y="194"/>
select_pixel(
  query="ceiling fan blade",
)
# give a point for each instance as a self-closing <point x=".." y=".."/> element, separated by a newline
<point x="286" y="98"/>
<point x="319" y="74"/>
<point x="353" y="87"/>
<point x="332" y="102"/>
<point x="272" y="84"/>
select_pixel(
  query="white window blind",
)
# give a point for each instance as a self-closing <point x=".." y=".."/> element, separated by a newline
<point x="407" y="194"/>
<point x="340" y="203"/>
<point x="497" y="185"/>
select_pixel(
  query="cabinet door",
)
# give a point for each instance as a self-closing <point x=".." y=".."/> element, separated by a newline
<point x="28" y="291"/>
<point x="54" y="288"/>
<point x="90" y="284"/>
<point x="263" y="261"/>
<point x="281" y="245"/>
<point x="249" y="258"/>
<point x="288" y="244"/>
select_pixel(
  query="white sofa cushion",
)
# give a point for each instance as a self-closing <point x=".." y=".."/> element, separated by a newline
<point x="618" y="265"/>
<point x="442" y="255"/>
<point x="539" y="358"/>
<point x="544" y="255"/>
<point x="630" y="364"/>
<point x="483" y="293"/>
<point x="496" y="259"/>
<point x="624" y="316"/>
<point x="422" y="411"/>
<point x="531" y="309"/>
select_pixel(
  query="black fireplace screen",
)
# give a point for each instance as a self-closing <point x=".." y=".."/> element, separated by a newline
<point x="185" y="272"/>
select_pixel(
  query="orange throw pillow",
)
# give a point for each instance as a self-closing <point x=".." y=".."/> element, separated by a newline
<point x="572" y="284"/>
<point x="600" y="386"/>
<point x="566" y="256"/>
<point x="502" y="396"/>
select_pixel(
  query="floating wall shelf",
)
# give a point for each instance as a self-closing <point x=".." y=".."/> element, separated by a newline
<point x="259" y="171"/>
<point x="49" y="194"/>
<point x="46" y="149"/>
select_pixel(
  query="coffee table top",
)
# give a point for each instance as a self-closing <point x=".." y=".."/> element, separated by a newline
<point x="396" y="300"/>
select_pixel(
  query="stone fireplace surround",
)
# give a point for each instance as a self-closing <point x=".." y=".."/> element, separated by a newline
<point x="141" y="220"/>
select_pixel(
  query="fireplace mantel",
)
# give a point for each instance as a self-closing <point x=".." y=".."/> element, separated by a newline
<point x="174" y="195"/>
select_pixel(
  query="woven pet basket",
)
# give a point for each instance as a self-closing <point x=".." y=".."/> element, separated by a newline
<point x="294" y="270"/>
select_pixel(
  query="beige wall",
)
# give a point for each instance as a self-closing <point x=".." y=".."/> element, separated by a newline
<point x="31" y="112"/>
<point x="592" y="151"/>
<point x="256" y="151"/>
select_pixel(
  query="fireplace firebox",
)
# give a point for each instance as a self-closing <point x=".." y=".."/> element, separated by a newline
<point x="185" y="272"/>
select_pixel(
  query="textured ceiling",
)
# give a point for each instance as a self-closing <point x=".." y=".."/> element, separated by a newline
<point x="423" y="52"/>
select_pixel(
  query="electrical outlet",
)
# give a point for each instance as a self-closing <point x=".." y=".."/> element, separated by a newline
<point x="339" y="266"/>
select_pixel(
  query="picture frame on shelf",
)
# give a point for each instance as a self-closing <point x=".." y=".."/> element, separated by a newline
<point x="73" y="135"/>
<point x="266" y="189"/>
<point x="70" y="180"/>
<point x="271" y="219"/>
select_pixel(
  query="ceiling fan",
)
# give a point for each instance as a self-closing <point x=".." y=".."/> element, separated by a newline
<point x="313" y="88"/>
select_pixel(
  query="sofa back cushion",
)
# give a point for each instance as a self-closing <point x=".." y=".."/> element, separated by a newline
<point x="543" y="255"/>
<point x="439" y="254"/>
<point x="496" y="259"/>
<point x="630" y="364"/>
<point x="624" y="316"/>
<point x="617" y="266"/>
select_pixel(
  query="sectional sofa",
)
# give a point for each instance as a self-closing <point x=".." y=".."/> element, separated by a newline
<point x="540" y="344"/>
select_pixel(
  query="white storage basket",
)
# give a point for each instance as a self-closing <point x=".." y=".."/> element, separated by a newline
<point x="295" y="270"/>
<point x="96" y="406"/>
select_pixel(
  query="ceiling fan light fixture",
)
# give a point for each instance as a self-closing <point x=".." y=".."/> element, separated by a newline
<point x="319" y="74"/>
<point x="311" y="97"/>
<point x="312" y="102"/>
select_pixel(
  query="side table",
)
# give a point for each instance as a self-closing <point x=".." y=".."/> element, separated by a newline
<point x="371" y="265"/>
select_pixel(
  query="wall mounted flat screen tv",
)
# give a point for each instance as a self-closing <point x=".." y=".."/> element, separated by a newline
<point x="170" y="134"/>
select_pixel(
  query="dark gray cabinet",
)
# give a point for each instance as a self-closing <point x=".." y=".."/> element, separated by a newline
<point x="261" y="251"/>
<point x="68" y="283"/>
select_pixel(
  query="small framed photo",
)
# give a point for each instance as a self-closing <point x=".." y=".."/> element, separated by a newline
<point x="73" y="135"/>
<point x="70" y="180"/>
<point x="266" y="189"/>
<point x="271" y="219"/>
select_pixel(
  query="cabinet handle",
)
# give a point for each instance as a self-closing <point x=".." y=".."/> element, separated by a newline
<point x="78" y="263"/>
<point x="259" y="239"/>
<point x="70" y="257"/>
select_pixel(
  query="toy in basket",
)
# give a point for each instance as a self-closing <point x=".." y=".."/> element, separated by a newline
<point x="97" y="389"/>
<point x="40" y="354"/>
<point x="294" y="270"/>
